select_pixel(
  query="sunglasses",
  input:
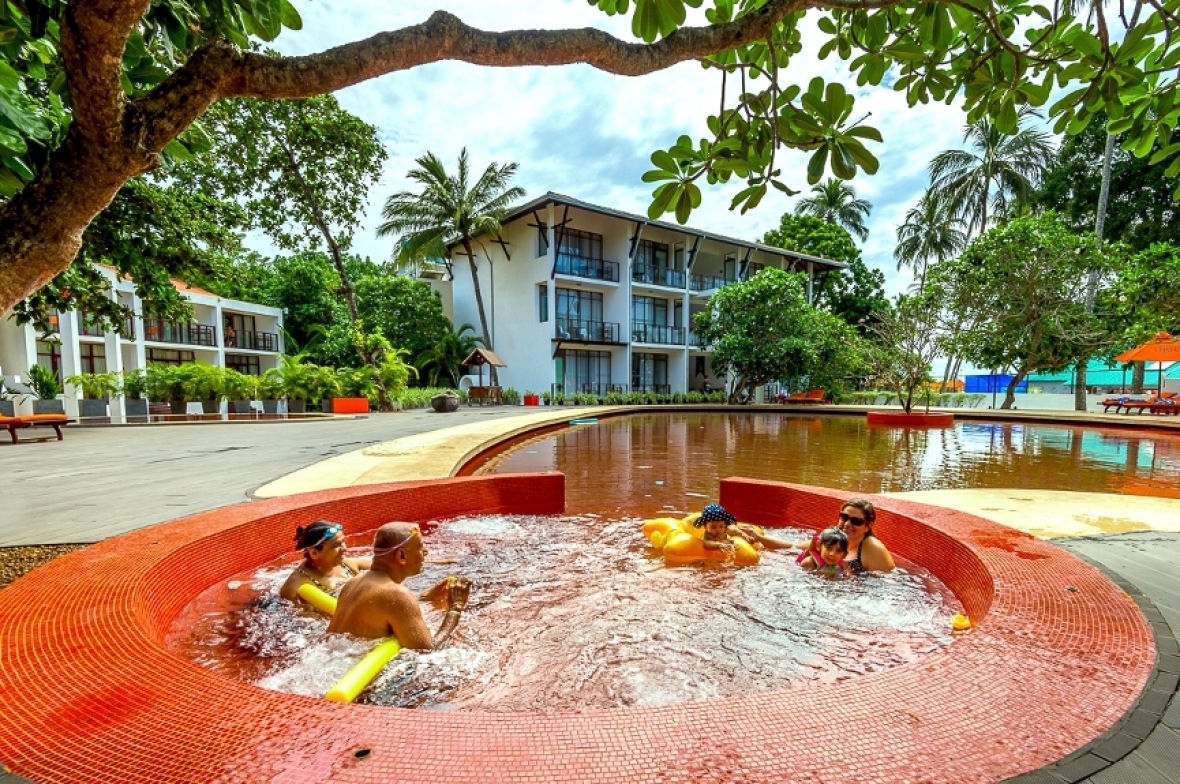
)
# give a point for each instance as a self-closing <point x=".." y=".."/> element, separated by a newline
<point x="856" y="521"/>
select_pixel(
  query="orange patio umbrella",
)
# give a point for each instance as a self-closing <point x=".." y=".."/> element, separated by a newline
<point x="1161" y="348"/>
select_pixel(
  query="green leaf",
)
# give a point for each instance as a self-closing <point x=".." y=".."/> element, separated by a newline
<point x="815" y="166"/>
<point x="19" y="168"/>
<point x="178" y="151"/>
<point x="10" y="184"/>
<point x="865" y="132"/>
<point x="664" y="161"/>
<point x="662" y="199"/>
<point x="290" y="16"/>
<point x="11" y="141"/>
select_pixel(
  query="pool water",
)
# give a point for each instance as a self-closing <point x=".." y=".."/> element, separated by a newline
<point x="577" y="612"/>
<point x="655" y="464"/>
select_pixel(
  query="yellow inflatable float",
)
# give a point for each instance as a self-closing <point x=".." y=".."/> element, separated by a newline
<point x="684" y="543"/>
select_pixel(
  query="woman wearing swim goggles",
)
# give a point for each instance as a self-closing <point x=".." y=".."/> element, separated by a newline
<point x="324" y="564"/>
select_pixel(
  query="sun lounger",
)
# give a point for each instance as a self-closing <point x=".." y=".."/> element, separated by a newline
<point x="814" y="396"/>
<point x="12" y="424"/>
<point x="794" y="397"/>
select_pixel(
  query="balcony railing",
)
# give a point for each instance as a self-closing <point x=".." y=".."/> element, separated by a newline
<point x="695" y="341"/>
<point x="658" y="276"/>
<point x="582" y="267"/>
<point x="655" y="333"/>
<point x="176" y="332"/>
<point x="258" y="341"/>
<point x="706" y="282"/>
<point x="587" y="331"/>
<point x="659" y="389"/>
<point x="94" y="331"/>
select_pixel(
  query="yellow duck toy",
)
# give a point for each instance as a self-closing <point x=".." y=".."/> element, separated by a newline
<point x="683" y="542"/>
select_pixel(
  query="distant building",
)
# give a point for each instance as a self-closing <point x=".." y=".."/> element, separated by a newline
<point x="584" y="298"/>
<point x="224" y="332"/>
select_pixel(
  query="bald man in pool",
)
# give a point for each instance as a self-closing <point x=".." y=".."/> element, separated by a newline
<point x="376" y="604"/>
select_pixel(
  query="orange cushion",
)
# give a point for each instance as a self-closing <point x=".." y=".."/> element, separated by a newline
<point x="44" y="418"/>
<point x="8" y="421"/>
<point x="1167" y="394"/>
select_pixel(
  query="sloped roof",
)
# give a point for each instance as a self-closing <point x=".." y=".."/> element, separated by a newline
<point x="483" y="356"/>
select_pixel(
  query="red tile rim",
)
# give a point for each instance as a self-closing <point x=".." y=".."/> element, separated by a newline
<point x="90" y="694"/>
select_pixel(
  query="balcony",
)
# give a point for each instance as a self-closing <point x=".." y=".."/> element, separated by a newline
<point x="255" y="341"/>
<point x="586" y="331"/>
<point x="94" y="331"/>
<point x="694" y="341"/>
<point x="655" y="333"/>
<point x="582" y="267"/>
<point x="191" y="334"/>
<point x="657" y="276"/>
<point x="706" y="282"/>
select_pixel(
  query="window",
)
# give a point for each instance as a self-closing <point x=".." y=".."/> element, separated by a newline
<point x="243" y="364"/>
<point x="649" y="372"/>
<point x="49" y="355"/>
<point x="579" y="305"/>
<point x="542" y="240"/>
<point x="753" y="269"/>
<point x="169" y="357"/>
<point x="649" y="310"/>
<point x="543" y="301"/>
<point x="583" y="244"/>
<point x="582" y="371"/>
<point x="653" y="254"/>
<point x="678" y="314"/>
<point x="731" y="269"/>
<point x="678" y="257"/>
<point x="94" y="357"/>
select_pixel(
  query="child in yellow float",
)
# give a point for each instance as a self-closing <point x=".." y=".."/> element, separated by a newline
<point x="720" y="527"/>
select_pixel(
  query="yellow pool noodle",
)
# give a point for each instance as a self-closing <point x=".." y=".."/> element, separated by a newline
<point x="322" y="601"/>
<point x="363" y="672"/>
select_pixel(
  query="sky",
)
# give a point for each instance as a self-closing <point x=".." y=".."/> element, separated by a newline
<point x="589" y="134"/>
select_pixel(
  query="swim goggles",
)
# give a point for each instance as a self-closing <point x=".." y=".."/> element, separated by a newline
<point x="329" y="532"/>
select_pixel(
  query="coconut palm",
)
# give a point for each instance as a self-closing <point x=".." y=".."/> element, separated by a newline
<point x="835" y="201"/>
<point x="447" y="355"/>
<point x="995" y="176"/>
<point x="930" y="233"/>
<point x="449" y="211"/>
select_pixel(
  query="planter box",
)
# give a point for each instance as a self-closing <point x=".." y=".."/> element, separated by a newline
<point x="49" y="406"/>
<point x="902" y="419"/>
<point x="7" y="408"/>
<point x="296" y="406"/>
<point x="531" y="400"/>
<point x="178" y="407"/>
<point x="93" y="410"/>
<point x="349" y="405"/>
<point x="210" y="406"/>
<point x="136" y="409"/>
<point x="240" y="407"/>
<point x="270" y="406"/>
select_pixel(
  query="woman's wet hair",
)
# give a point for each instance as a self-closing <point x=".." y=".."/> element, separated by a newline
<point x="862" y="505"/>
<point x="315" y="534"/>
<point x="834" y="537"/>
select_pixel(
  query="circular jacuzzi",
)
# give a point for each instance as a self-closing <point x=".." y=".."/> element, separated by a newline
<point x="91" y="693"/>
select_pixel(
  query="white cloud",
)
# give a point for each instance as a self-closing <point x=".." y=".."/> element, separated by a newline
<point x="589" y="134"/>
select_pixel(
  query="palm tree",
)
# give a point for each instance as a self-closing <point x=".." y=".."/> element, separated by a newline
<point x="447" y="355"/>
<point x="997" y="172"/>
<point x="930" y="233"/>
<point x="450" y="211"/>
<point x="835" y="201"/>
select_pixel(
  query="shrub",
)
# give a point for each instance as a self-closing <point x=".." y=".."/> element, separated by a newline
<point x="43" y="382"/>
<point x="134" y="384"/>
<point x="238" y="386"/>
<point x="678" y="397"/>
<point x="615" y="398"/>
<point x="715" y="397"/>
<point x="96" y="386"/>
<point x="547" y="398"/>
<point x="419" y="397"/>
<point x="693" y="396"/>
<point x="511" y="397"/>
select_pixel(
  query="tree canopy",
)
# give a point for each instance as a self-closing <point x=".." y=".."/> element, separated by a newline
<point x="762" y="330"/>
<point x="96" y="92"/>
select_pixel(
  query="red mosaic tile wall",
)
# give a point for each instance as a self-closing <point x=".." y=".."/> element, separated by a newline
<point x="88" y="694"/>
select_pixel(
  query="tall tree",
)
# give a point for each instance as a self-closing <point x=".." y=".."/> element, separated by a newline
<point x="835" y="202"/>
<point x="302" y="169"/>
<point x="444" y="358"/>
<point x="930" y="233"/>
<point x="995" y="176"/>
<point x="406" y="310"/>
<point x="96" y="92"/>
<point x="1022" y="287"/>
<point x="448" y="211"/>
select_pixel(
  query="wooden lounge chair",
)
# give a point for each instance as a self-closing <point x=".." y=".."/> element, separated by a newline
<point x="814" y="396"/>
<point x="1164" y="401"/>
<point x="12" y="424"/>
<point x="795" y="397"/>
<point x="1118" y="402"/>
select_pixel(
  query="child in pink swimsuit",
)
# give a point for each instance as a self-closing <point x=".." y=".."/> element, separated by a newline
<point x="826" y="553"/>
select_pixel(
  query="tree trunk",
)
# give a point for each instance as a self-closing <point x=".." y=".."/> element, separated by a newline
<point x="1010" y="397"/>
<point x="483" y="319"/>
<point x="1079" y="391"/>
<point x="1138" y="371"/>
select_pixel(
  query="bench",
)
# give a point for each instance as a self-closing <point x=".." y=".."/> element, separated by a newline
<point x="492" y="395"/>
<point x="12" y="424"/>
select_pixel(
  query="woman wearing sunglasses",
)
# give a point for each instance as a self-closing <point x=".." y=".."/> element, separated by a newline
<point x="324" y="564"/>
<point x="866" y="553"/>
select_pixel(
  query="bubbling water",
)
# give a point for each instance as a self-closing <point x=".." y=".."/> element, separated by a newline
<point x="577" y="612"/>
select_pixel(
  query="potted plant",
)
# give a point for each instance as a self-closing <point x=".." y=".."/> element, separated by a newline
<point x="239" y="389"/>
<point x="270" y="389"/>
<point x="323" y="385"/>
<point x="511" y="397"/>
<point x="97" y="390"/>
<point x="358" y="388"/>
<point x="531" y="398"/>
<point x="45" y="386"/>
<point x="7" y="407"/>
<point x="293" y="377"/>
<point x="203" y="383"/>
<point x="134" y="387"/>
<point x="445" y="402"/>
<point x="165" y="384"/>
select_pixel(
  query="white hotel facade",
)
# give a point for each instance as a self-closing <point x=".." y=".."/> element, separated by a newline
<point x="223" y="332"/>
<point x="583" y="298"/>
